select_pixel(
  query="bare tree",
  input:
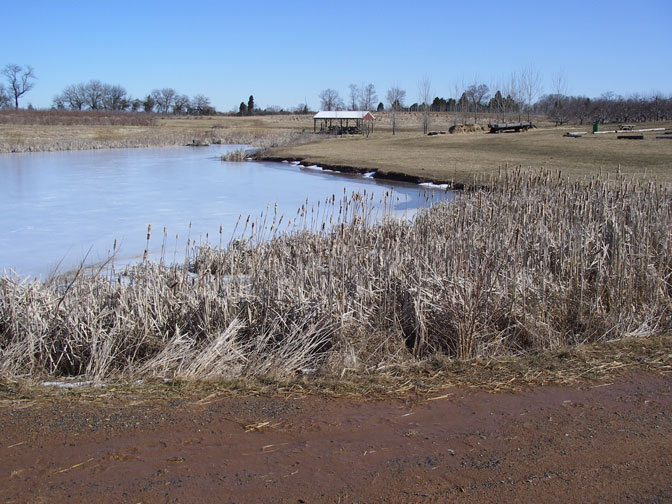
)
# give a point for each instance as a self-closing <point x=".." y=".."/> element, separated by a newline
<point x="94" y="91"/>
<point x="559" y="81"/>
<point x="369" y="97"/>
<point x="5" y="100"/>
<point x="93" y="95"/>
<point x="530" y="84"/>
<point x="354" y="96"/>
<point x="330" y="100"/>
<point x="478" y="94"/>
<point x="301" y="108"/>
<point x="425" y="94"/>
<point x="395" y="98"/>
<point x="200" y="105"/>
<point x="115" y="98"/>
<point x="559" y="111"/>
<point x="73" y="97"/>
<point x="20" y="80"/>
<point x="461" y="101"/>
<point x="180" y="104"/>
<point x="512" y="92"/>
<point x="164" y="99"/>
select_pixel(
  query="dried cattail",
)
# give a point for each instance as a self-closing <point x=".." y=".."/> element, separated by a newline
<point x="534" y="263"/>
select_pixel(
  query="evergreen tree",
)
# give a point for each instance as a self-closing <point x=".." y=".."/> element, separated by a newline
<point x="463" y="102"/>
<point x="496" y="103"/>
<point x="242" y="110"/>
<point x="148" y="104"/>
<point x="250" y="105"/>
<point x="439" y="105"/>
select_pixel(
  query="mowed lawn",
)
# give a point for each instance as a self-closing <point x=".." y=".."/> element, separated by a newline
<point x="461" y="157"/>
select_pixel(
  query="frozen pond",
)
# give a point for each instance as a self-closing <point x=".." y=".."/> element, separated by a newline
<point x="56" y="208"/>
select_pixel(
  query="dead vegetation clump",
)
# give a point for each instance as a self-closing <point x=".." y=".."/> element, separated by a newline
<point x="466" y="128"/>
<point x="236" y="155"/>
<point x="263" y="141"/>
<point x="537" y="263"/>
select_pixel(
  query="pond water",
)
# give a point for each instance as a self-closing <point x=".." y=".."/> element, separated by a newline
<point x="58" y="209"/>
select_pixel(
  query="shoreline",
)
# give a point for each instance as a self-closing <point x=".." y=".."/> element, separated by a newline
<point x="61" y="147"/>
<point x="393" y="176"/>
<point x="130" y="143"/>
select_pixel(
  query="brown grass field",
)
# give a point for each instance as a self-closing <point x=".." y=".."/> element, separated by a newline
<point x="46" y="131"/>
<point x="459" y="158"/>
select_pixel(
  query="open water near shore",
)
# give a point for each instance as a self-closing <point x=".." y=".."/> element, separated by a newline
<point x="58" y="209"/>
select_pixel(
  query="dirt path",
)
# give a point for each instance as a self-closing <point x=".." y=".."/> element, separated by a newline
<point x="600" y="443"/>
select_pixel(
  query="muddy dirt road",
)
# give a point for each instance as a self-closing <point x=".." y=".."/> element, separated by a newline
<point x="606" y="442"/>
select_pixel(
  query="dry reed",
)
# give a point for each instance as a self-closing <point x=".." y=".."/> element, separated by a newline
<point x="236" y="155"/>
<point x="137" y="136"/>
<point x="535" y="263"/>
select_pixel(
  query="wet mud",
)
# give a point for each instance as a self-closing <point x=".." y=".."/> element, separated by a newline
<point x="605" y="442"/>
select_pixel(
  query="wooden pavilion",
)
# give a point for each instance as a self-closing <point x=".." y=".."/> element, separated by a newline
<point x="344" y="121"/>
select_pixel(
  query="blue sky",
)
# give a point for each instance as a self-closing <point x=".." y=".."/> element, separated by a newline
<point x="287" y="52"/>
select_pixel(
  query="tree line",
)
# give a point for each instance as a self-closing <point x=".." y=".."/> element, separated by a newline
<point x="519" y="97"/>
<point x="608" y="108"/>
<point x="97" y="95"/>
<point x="475" y="98"/>
<point x="362" y="97"/>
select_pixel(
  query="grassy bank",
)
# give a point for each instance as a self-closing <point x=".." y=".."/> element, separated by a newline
<point x="537" y="263"/>
<point x="33" y="131"/>
<point x="460" y="158"/>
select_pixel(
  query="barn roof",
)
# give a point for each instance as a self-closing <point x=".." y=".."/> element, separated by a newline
<point x="344" y="114"/>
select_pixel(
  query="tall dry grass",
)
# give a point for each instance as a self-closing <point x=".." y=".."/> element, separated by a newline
<point x="150" y="137"/>
<point x="58" y="130"/>
<point x="76" y="118"/>
<point x="535" y="263"/>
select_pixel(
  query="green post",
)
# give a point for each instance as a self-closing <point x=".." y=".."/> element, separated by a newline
<point x="596" y="127"/>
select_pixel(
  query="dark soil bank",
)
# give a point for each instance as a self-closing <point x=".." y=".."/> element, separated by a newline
<point x="607" y="442"/>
